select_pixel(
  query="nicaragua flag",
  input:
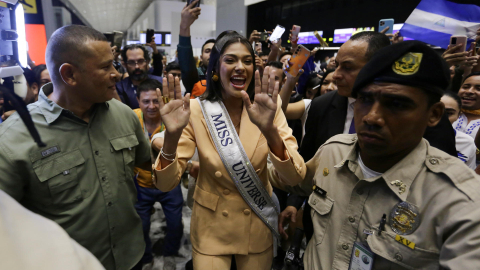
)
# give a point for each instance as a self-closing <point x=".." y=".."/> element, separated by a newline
<point x="434" y="21"/>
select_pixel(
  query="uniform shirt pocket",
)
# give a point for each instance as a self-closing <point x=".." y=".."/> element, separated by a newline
<point x="321" y="213"/>
<point x="124" y="148"/>
<point x="60" y="175"/>
<point x="394" y="255"/>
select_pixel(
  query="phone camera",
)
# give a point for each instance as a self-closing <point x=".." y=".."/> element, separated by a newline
<point x="382" y="23"/>
<point x="454" y="41"/>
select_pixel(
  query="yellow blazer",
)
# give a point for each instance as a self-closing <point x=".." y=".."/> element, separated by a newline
<point x="222" y="222"/>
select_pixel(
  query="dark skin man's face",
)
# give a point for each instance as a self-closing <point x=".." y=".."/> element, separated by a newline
<point x="390" y="120"/>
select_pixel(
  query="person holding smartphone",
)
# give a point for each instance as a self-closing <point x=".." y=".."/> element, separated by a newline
<point x="193" y="77"/>
<point x="235" y="126"/>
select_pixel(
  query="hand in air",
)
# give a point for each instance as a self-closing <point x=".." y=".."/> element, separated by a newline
<point x="262" y="111"/>
<point x="190" y="14"/>
<point x="176" y="112"/>
<point x="459" y="58"/>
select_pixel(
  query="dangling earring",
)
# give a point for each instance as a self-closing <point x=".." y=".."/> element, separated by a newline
<point x="215" y="77"/>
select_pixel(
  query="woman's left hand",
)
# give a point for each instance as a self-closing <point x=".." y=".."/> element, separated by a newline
<point x="262" y="111"/>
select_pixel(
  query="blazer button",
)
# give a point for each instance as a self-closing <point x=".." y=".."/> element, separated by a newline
<point x="218" y="174"/>
<point x="226" y="191"/>
<point x="246" y="212"/>
<point x="225" y="213"/>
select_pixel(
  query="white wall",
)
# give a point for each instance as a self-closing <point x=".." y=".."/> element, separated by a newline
<point x="166" y="15"/>
<point x="231" y="15"/>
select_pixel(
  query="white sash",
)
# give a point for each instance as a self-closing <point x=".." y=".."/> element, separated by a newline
<point x="238" y="165"/>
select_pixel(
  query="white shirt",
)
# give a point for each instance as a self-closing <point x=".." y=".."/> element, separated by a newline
<point x="367" y="172"/>
<point x="30" y="241"/>
<point x="349" y="118"/>
<point x="466" y="149"/>
<point x="462" y="125"/>
<point x="307" y="102"/>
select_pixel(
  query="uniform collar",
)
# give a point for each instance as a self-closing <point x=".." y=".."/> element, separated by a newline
<point x="400" y="177"/>
<point x="51" y="110"/>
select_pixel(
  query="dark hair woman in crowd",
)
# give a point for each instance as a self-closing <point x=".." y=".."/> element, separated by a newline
<point x="238" y="118"/>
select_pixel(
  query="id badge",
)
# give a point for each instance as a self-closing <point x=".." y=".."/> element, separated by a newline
<point x="362" y="257"/>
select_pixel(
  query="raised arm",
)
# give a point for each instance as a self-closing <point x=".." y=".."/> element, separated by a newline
<point x="184" y="48"/>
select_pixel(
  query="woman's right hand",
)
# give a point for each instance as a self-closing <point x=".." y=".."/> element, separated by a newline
<point x="176" y="112"/>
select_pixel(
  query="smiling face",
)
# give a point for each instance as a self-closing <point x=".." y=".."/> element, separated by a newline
<point x="349" y="61"/>
<point x="148" y="102"/>
<point x="470" y="93"/>
<point x="97" y="75"/>
<point x="390" y="119"/>
<point x="236" y="70"/>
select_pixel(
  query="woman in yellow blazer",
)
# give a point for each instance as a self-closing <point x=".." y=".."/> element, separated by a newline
<point x="223" y="224"/>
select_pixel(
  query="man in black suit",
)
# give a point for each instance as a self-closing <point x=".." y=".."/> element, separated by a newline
<point x="332" y="113"/>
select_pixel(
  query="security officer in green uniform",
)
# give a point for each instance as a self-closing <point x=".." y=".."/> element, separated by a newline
<point x="384" y="198"/>
<point x="83" y="178"/>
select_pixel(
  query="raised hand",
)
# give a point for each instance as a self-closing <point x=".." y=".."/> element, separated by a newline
<point x="189" y="16"/>
<point x="174" y="109"/>
<point x="459" y="58"/>
<point x="395" y="38"/>
<point x="262" y="111"/>
<point x="254" y="36"/>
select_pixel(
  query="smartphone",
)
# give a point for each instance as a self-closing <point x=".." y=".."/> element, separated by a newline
<point x="383" y="23"/>
<point x="150" y="33"/>
<point x="473" y="47"/>
<point x="295" y="31"/>
<point x="117" y="39"/>
<point x="455" y="40"/>
<point x="196" y="5"/>
<point x="299" y="57"/>
<point x="277" y="33"/>
<point x="263" y="36"/>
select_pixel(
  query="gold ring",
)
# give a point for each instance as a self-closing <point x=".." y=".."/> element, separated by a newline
<point x="165" y="99"/>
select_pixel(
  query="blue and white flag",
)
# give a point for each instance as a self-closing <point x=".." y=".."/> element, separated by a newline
<point x="434" y="21"/>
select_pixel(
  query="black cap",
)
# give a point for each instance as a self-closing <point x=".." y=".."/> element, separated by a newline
<point x="411" y="63"/>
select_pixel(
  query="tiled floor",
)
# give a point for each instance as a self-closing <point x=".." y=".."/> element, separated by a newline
<point x="157" y="235"/>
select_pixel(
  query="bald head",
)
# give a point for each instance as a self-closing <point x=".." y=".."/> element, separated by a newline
<point x="69" y="45"/>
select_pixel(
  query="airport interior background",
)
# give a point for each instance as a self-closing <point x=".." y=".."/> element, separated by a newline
<point x="335" y="20"/>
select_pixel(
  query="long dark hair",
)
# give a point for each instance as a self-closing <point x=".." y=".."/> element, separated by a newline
<point x="225" y="39"/>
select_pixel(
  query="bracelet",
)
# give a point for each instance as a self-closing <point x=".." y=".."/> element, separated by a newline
<point x="162" y="154"/>
<point x="168" y="155"/>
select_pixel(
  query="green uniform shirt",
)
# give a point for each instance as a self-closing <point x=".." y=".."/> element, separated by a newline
<point x="83" y="178"/>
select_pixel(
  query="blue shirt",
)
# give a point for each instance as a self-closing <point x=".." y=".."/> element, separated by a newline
<point x="128" y="92"/>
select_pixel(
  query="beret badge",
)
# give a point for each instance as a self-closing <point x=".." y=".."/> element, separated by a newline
<point x="408" y="64"/>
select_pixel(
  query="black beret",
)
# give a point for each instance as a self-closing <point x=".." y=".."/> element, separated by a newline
<point x="411" y="63"/>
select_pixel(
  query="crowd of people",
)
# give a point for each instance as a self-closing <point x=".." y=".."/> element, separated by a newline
<point x="366" y="160"/>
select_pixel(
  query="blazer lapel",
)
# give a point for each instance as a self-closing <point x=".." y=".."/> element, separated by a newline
<point x="336" y="121"/>
<point x="249" y="134"/>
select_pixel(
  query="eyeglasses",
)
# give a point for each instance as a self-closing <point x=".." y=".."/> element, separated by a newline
<point x="132" y="63"/>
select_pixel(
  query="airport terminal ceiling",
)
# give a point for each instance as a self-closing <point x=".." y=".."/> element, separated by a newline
<point x="109" y="15"/>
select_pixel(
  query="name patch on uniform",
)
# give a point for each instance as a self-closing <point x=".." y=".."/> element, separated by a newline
<point x="50" y="151"/>
<point x="404" y="241"/>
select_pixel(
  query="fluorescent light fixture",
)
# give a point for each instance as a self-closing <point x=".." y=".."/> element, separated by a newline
<point x="22" y="39"/>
